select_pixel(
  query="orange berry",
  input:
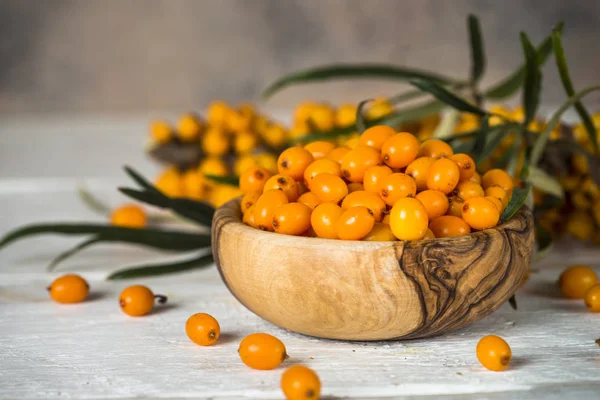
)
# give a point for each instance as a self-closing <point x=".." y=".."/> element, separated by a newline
<point x="449" y="226"/>
<point x="386" y="219"/>
<point x="215" y="142"/>
<point x="496" y="202"/>
<point x="419" y="170"/>
<point x="499" y="193"/>
<point x="408" y="219"/>
<point x="292" y="219"/>
<point x="161" y="131"/>
<point x="429" y="235"/>
<point x="476" y="178"/>
<point x="293" y="161"/>
<point x="319" y="149"/>
<point x="497" y="177"/>
<point x="194" y="185"/>
<point x="355" y="187"/>
<point x="374" y="203"/>
<point x="309" y="199"/>
<point x="324" y="219"/>
<point x="466" y="165"/>
<point x="253" y="179"/>
<point x="302" y="188"/>
<point x="138" y="300"/>
<point x="400" y="150"/>
<point x="129" y="216"/>
<point x="262" y="351"/>
<point x="456" y="205"/>
<point x="329" y="188"/>
<point x="493" y="353"/>
<point x="300" y="383"/>
<point x="265" y="208"/>
<point x="380" y="233"/>
<point x="592" y="298"/>
<point x="373" y="176"/>
<point x="322" y="166"/>
<point x="248" y="218"/>
<point x="435" y="202"/>
<point x="285" y="184"/>
<point x="189" y="127"/>
<point x="480" y="213"/>
<point x="575" y="281"/>
<point x="249" y="200"/>
<point x="435" y="148"/>
<point x="337" y="154"/>
<point x="443" y="175"/>
<point x="396" y="186"/>
<point x="357" y="161"/>
<point x="170" y="183"/>
<point x="355" y="223"/>
<point x="376" y="136"/>
<point x="203" y="329"/>
<point x="466" y="190"/>
<point x="69" y="289"/>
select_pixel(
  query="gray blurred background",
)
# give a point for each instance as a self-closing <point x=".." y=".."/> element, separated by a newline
<point x="128" y="56"/>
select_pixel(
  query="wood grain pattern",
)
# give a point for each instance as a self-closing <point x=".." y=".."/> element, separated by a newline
<point x="371" y="290"/>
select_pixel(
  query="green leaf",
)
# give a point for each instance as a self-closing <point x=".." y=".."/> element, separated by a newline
<point x="91" y="202"/>
<point x="544" y="182"/>
<point x="224" y="180"/>
<point x="161" y="269"/>
<point x="447" y="97"/>
<point x="360" y="118"/>
<point x="446" y="126"/>
<point x="157" y="238"/>
<point x="141" y="181"/>
<point x="543" y="239"/>
<point x="406" y="96"/>
<point x="540" y="143"/>
<point x="513" y="302"/>
<point x="514" y="154"/>
<point x="477" y="53"/>
<point x="532" y="82"/>
<point x="81" y="246"/>
<point x="563" y="69"/>
<point x="353" y="71"/>
<point x="517" y="200"/>
<point x="483" y="137"/>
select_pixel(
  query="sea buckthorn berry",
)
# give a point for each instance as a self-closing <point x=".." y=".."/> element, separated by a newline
<point x="213" y="166"/>
<point x="262" y="351"/>
<point x="400" y="150"/>
<point x="189" y="127"/>
<point x="345" y="115"/>
<point x="319" y="149"/>
<point x="355" y="187"/>
<point x="265" y="207"/>
<point x="69" y="289"/>
<point x="380" y="108"/>
<point x="352" y="142"/>
<point x="580" y="225"/>
<point x="496" y="202"/>
<point x="380" y="233"/>
<point x="480" y="213"/>
<point x="373" y="177"/>
<point x="499" y="193"/>
<point x="493" y="353"/>
<point x="408" y="219"/>
<point x="293" y="161"/>
<point x="435" y="202"/>
<point x="292" y="219"/>
<point x="302" y="188"/>
<point x="357" y="161"/>
<point x="203" y="329"/>
<point x="497" y="177"/>
<point x="274" y="135"/>
<point x="324" y="219"/>
<point x="355" y="223"/>
<point x="221" y="194"/>
<point x="215" y="142"/>
<point x="374" y="203"/>
<point x="309" y="199"/>
<point x="449" y="226"/>
<point x="248" y="218"/>
<point x="238" y="122"/>
<point x="284" y="183"/>
<point x="592" y="298"/>
<point x="575" y="281"/>
<point x="476" y="178"/>
<point x="170" y="183"/>
<point x="456" y="205"/>
<point x="300" y="383"/>
<point x="244" y="142"/>
<point x="218" y="112"/>
<point x="386" y="219"/>
<point x="254" y="179"/>
<point x="396" y="186"/>
<point x="322" y="117"/>
<point x="337" y="154"/>
<point x="268" y="161"/>
<point x="376" y="136"/>
<point x="466" y="190"/>
<point x="322" y="166"/>
<point x="419" y="170"/>
<point x="435" y="148"/>
<point x="443" y="175"/>
<point x="429" y="235"/>
<point x="466" y="165"/>
<point x="138" y="300"/>
<point x="329" y="188"/>
<point x="194" y="185"/>
<point x="249" y="200"/>
<point x="160" y="131"/>
<point x="244" y="162"/>
<point x="129" y="216"/>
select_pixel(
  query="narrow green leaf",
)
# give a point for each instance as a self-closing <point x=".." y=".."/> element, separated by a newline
<point x="224" y="180"/>
<point x="513" y="302"/>
<point x="91" y="202"/>
<point x="517" y="200"/>
<point x="532" y="83"/>
<point x="540" y="143"/>
<point x="477" y="52"/>
<point x="447" y="97"/>
<point x="406" y="96"/>
<point x="360" y="118"/>
<point x="563" y="69"/>
<point x="161" y="269"/>
<point x="510" y="85"/>
<point x="63" y="256"/>
<point x="483" y="137"/>
<point x="514" y="154"/>
<point x="446" y="126"/>
<point x="544" y="182"/>
<point x="353" y="71"/>
<point x="140" y="180"/>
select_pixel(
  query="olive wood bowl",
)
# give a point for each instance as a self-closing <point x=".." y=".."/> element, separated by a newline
<point x="355" y="290"/>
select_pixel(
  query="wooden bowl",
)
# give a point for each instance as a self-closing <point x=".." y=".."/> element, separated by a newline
<point x="355" y="290"/>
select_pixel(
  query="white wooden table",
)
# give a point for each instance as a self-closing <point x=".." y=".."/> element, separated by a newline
<point x="93" y="351"/>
